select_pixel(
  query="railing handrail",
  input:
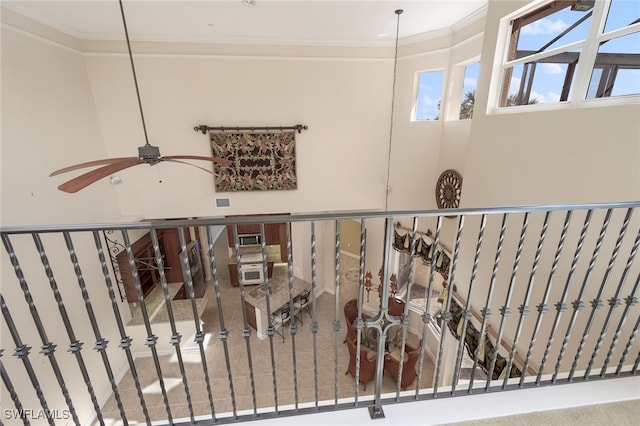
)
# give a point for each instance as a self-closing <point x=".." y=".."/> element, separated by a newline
<point x="306" y="217"/>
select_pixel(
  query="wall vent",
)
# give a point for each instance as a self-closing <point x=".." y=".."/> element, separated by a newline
<point x="223" y="202"/>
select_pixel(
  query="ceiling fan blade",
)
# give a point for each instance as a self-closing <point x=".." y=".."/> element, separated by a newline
<point x="221" y="161"/>
<point x="89" y="164"/>
<point x="188" y="164"/>
<point x="86" y="179"/>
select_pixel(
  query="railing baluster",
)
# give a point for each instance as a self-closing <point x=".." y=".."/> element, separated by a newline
<point x="486" y="312"/>
<point x="466" y="315"/>
<point x="75" y="346"/>
<point x="336" y="321"/>
<point x="505" y="312"/>
<point x="405" y="314"/>
<point x="314" y="319"/>
<point x="578" y="304"/>
<point x="359" y="321"/>
<point x="246" y="331"/>
<point x="22" y="353"/>
<point x="270" y="328"/>
<point x="597" y="302"/>
<point x="524" y="309"/>
<point x="292" y="324"/>
<point x="48" y="348"/>
<point x="224" y="333"/>
<point x="175" y="336"/>
<point x="447" y="315"/>
<point x="627" y="348"/>
<point x="101" y="343"/>
<point x="125" y="341"/>
<point x="630" y="301"/>
<point x="614" y="302"/>
<point x="152" y="339"/>
<point x="543" y="308"/>
<point x="426" y="316"/>
<point x="12" y="392"/>
<point x="561" y="306"/>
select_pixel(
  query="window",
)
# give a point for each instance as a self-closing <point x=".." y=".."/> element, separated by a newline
<point x="469" y="90"/>
<point x="569" y="50"/>
<point x="429" y="95"/>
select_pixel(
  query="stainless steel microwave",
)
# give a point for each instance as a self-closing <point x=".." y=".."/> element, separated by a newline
<point x="250" y="240"/>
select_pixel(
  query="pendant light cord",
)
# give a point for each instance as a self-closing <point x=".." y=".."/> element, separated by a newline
<point x="133" y="68"/>
<point x="398" y="12"/>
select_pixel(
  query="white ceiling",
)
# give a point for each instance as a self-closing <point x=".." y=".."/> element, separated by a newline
<point x="324" y="22"/>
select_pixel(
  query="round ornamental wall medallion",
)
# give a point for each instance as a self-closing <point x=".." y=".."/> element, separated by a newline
<point x="448" y="189"/>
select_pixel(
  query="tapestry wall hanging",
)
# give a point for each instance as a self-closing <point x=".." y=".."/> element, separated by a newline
<point x="260" y="161"/>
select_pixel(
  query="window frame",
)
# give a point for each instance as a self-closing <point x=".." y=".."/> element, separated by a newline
<point x="588" y="52"/>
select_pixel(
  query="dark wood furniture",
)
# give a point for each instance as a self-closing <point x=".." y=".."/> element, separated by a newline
<point x="368" y="360"/>
<point x="146" y="266"/>
<point x="392" y="365"/>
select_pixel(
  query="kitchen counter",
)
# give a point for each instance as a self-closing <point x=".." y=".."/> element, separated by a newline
<point x="278" y="296"/>
<point x="273" y="253"/>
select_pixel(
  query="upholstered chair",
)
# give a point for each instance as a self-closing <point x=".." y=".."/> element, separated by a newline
<point x="392" y="365"/>
<point x="368" y="360"/>
<point x="350" y="315"/>
<point x="396" y="307"/>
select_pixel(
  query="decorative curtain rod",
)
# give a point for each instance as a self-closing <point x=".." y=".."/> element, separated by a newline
<point x="204" y="128"/>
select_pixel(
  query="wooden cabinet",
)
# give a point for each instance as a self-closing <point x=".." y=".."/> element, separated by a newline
<point x="251" y="315"/>
<point x="146" y="266"/>
<point x="274" y="234"/>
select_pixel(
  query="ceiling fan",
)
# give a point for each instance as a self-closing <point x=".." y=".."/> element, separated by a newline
<point x="147" y="154"/>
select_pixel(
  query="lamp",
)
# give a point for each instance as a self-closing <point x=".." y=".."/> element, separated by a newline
<point x="368" y="284"/>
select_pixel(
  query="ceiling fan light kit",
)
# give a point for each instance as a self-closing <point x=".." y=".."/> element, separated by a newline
<point x="147" y="154"/>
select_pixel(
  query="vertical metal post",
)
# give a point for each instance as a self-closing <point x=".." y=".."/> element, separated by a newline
<point x="175" y="336"/>
<point x="246" y="331"/>
<point x="270" y="328"/>
<point x="75" y="346"/>
<point x="466" y="313"/>
<point x="359" y="322"/>
<point x="524" y="309"/>
<point x="336" y="321"/>
<point x="292" y="324"/>
<point x="505" y="312"/>
<point x="578" y="304"/>
<point x="597" y="302"/>
<point x="446" y="317"/>
<point x="224" y="333"/>
<point x="561" y="306"/>
<point x="12" y="392"/>
<point x="125" y="341"/>
<point x="375" y="411"/>
<point x="486" y="311"/>
<point x="614" y="302"/>
<point x="405" y="313"/>
<point x="151" y="339"/>
<point x="22" y="352"/>
<point x="101" y="343"/>
<point x="627" y="348"/>
<point x="314" y="319"/>
<point x="630" y="301"/>
<point x="48" y="348"/>
<point x="426" y="316"/>
<point x="543" y="308"/>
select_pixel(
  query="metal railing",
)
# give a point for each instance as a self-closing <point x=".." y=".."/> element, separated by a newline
<point x="59" y="289"/>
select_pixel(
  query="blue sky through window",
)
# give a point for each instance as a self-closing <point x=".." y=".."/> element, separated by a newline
<point x="549" y="77"/>
<point x="429" y="95"/>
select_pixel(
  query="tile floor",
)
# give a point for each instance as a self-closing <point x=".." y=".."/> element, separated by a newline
<point x="329" y="367"/>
